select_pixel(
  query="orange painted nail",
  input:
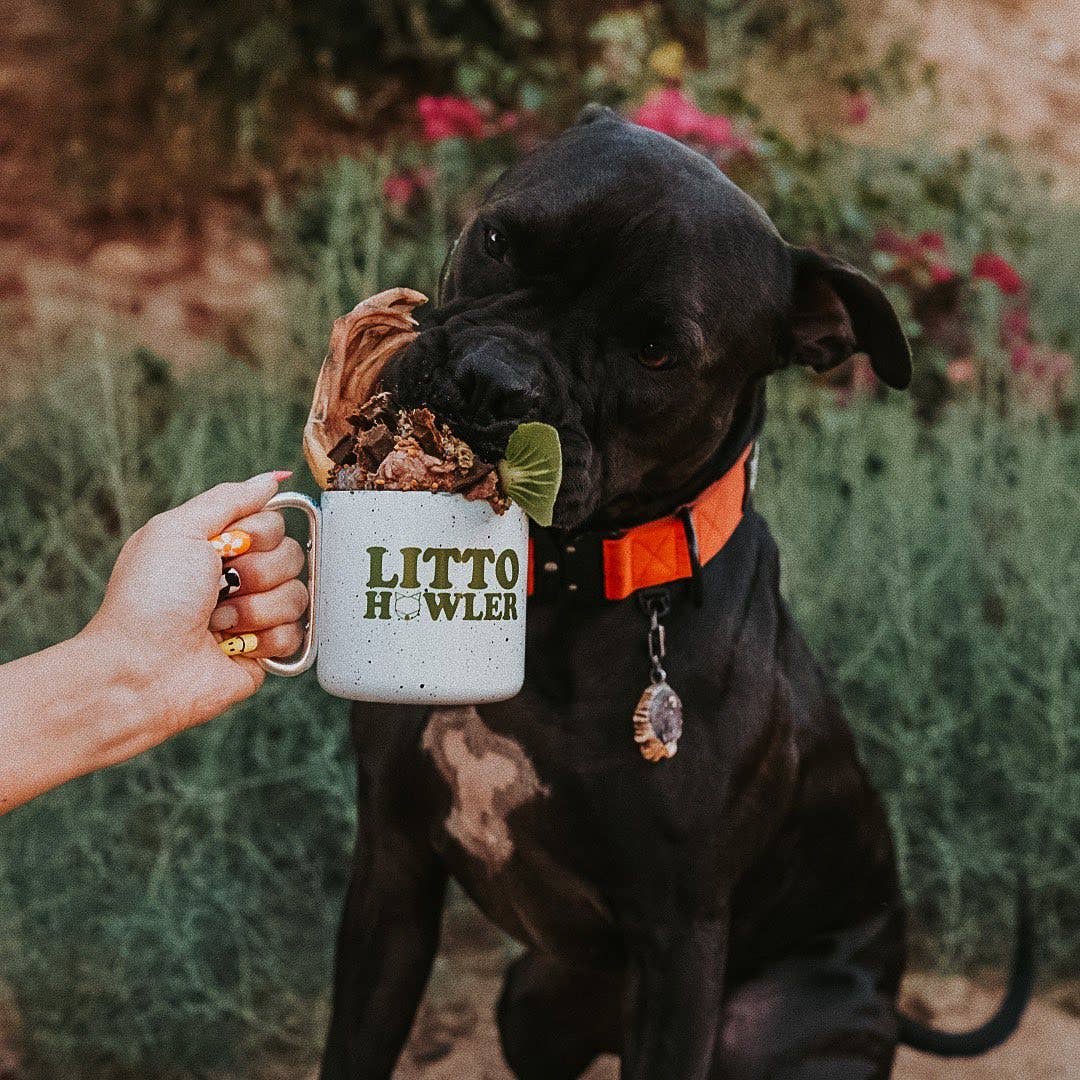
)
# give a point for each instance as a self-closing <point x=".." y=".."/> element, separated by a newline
<point x="281" y="474"/>
<point x="230" y="543"/>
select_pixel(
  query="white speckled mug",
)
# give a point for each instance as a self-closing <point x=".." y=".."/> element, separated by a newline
<point x="416" y="598"/>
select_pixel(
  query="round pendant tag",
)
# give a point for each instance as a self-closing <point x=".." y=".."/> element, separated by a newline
<point x="658" y="722"/>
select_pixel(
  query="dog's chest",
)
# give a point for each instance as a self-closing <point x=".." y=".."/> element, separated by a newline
<point x="501" y="832"/>
<point x="488" y="775"/>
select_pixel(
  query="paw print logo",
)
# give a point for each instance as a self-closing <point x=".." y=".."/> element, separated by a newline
<point x="407" y="605"/>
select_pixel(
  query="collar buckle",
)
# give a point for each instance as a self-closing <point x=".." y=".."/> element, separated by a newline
<point x="568" y="567"/>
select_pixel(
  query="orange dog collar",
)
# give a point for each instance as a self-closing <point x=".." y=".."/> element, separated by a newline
<point x="616" y="565"/>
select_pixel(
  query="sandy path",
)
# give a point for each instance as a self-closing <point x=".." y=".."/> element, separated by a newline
<point x="1047" y="1046"/>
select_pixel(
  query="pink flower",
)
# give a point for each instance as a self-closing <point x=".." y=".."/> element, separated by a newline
<point x="667" y="111"/>
<point x="714" y="130"/>
<point x="399" y="189"/>
<point x="995" y="269"/>
<point x="1021" y="356"/>
<point x="508" y="121"/>
<point x="857" y="107"/>
<point x="892" y="242"/>
<point x="1041" y="362"/>
<point x="1043" y="375"/>
<point x="1015" y="326"/>
<point x="671" y="112"/>
<point x="918" y="262"/>
<point x="448" y="117"/>
<point x="1060" y="367"/>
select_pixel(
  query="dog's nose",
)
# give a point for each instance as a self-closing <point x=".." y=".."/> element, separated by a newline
<point x="494" y="384"/>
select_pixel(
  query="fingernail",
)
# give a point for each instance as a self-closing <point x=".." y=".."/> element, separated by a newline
<point x="229" y="583"/>
<point x="282" y="474"/>
<point x="242" y="643"/>
<point x="223" y="618"/>
<point x="231" y="543"/>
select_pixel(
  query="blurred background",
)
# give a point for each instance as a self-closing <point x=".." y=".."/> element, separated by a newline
<point x="190" y="192"/>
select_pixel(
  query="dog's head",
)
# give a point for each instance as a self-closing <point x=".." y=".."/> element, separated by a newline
<point x="619" y="286"/>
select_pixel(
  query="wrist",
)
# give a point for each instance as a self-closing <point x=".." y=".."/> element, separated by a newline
<point x="123" y="720"/>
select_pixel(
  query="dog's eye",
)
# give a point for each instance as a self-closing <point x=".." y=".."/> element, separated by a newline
<point x="495" y="244"/>
<point x="656" y="357"/>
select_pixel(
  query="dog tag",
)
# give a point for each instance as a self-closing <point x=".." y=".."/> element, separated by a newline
<point x="658" y="722"/>
<point x="658" y="716"/>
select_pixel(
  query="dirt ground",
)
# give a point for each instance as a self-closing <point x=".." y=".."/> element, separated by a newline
<point x="455" y="1036"/>
<point x="1010" y="66"/>
<point x="459" y="1041"/>
<point x="186" y="289"/>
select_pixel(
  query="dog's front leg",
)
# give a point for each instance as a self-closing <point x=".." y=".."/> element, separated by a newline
<point x="674" y="990"/>
<point x="388" y="938"/>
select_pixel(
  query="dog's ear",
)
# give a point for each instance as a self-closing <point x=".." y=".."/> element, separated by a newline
<point x="594" y="111"/>
<point x="837" y="311"/>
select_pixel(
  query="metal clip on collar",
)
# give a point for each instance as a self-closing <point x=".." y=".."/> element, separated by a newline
<point x="657" y="648"/>
<point x="656" y="604"/>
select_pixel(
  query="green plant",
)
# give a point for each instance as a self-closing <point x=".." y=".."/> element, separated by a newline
<point x="175" y="101"/>
<point x="196" y="889"/>
<point x="193" y="890"/>
<point x="936" y="574"/>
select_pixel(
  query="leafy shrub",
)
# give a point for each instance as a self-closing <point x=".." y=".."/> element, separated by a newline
<point x="174" y="916"/>
<point x="926" y="568"/>
<point x="178" y="100"/>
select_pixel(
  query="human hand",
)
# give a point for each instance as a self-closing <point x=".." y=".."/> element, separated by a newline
<point x="157" y="623"/>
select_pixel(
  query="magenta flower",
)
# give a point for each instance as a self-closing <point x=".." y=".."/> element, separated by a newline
<point x="399" y="189"/>
<point x="858" y="106"/>
<point x="1015" y="326"/>
<point x="993" y="268"/>
<point x="671" y="112"/>
<point x="894" y="243"/>
<point x="508" y="121"/>
<point x="449" y="117"/>
<point x="1043" y="375"/>
<point x="1021" y="356"/>
<point x="920" y="261"/>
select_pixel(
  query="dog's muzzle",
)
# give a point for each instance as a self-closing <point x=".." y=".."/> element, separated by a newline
<point x="483" y="383"/>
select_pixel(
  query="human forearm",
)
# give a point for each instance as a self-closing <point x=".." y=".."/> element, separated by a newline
<point x="149" y="663"/>
<point x="67" y="711"/>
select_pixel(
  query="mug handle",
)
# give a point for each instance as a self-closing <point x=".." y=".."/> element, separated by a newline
<point x="296" y="500"/>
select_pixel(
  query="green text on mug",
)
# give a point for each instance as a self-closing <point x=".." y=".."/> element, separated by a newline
<point x="442" y="583"/>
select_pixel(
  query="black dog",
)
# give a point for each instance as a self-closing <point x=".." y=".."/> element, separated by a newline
<point x="732" y="912"/>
